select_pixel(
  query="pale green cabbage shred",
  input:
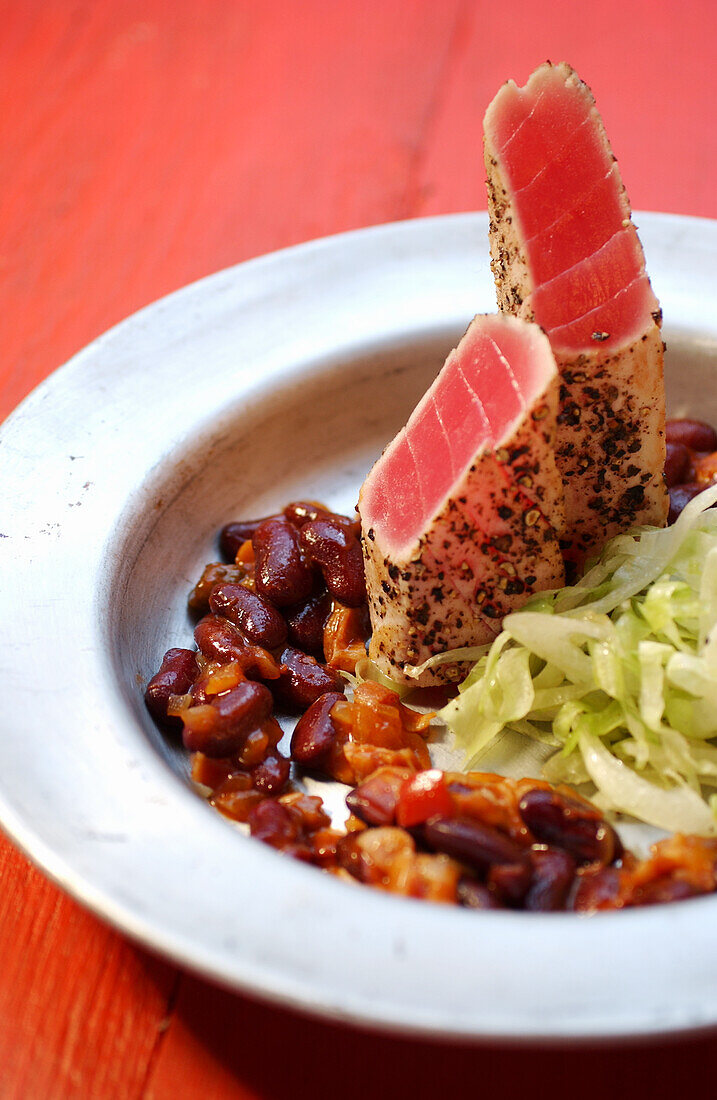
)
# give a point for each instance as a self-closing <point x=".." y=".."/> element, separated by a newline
<point x="617" y="673"/>
<point x="367" y="670"/>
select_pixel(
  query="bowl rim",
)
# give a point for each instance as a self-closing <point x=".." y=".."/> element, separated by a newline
<point x="66" y="445"/>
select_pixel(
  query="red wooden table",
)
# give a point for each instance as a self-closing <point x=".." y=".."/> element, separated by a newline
<point x="145" y="143"/>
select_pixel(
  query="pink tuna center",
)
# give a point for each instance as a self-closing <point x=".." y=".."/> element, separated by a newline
<point x="570" y="209"/>
<point x="498" y="370"/>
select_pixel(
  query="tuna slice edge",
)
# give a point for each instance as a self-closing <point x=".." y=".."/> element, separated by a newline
<point x="565" y="253"/>
<point x="462" y="512"/>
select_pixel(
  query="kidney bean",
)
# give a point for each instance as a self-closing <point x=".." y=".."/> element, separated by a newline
<point x="375" y="800"/>
<point x="306" y="622"/>
<point x="350" y="856"/>
<point x="337" y="553"/>
<point x="677" y="463"/>
<point x="553" y="874"/>
<point x="315" y="733"/>
<point x="475" y="895"/>
<point x="214" y="573"/>
<point x="281" y="573"/>
<point x="310" y="809"/>
<point x="303" y="680"/>
<point x="680" y="495"/>
<point x="220" y="728"/>
<point x="274" y="824"/>
<point x="694" y="434"/>
<point x="277" y="825"/>
<point x="233" y="535"/>
<point x="259" y="621"/>
<point x="200" y="695"/>
<point x="300" y="512"/>
<point x="466" y="840"/>
<point x="556" y="819"/>
<point x="598" y="890"/>
<point x="510" y="882"/>
<point x="219" y="640"/>
<point x="245" y="707"/>
<point x="272" y="774"/>
<point x="175" y="676"/>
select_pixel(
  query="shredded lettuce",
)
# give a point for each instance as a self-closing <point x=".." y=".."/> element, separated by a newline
<point x="618" y="673"/>
<point x="367" y="670"/>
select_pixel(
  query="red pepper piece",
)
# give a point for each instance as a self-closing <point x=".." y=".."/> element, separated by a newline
<point x="374" y="801"/>
<point x="422" y="796"/>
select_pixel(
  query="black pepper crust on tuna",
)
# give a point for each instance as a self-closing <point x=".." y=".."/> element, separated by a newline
<point x="490" y="547"/>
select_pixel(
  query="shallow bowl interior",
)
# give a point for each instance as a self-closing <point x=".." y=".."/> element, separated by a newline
<point x="281" y="378"/>
<point x="315" y="439"/>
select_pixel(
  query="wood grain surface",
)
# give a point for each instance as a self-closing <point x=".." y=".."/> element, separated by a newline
<point x="146" y="143"/>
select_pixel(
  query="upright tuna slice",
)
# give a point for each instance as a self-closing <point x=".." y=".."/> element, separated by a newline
<point x="460" y="515"/>
<point x="564" y="253"/>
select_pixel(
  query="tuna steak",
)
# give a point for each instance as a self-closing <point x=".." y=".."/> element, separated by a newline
<point x="460" y="514"/>
<point x="564" y="253"/>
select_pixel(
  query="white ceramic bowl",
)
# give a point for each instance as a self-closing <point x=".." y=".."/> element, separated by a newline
<point x="277" y="379"/>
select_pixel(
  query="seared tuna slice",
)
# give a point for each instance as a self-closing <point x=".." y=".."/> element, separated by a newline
<point x="461" y="514"/>
<point x="565" y="254"/>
